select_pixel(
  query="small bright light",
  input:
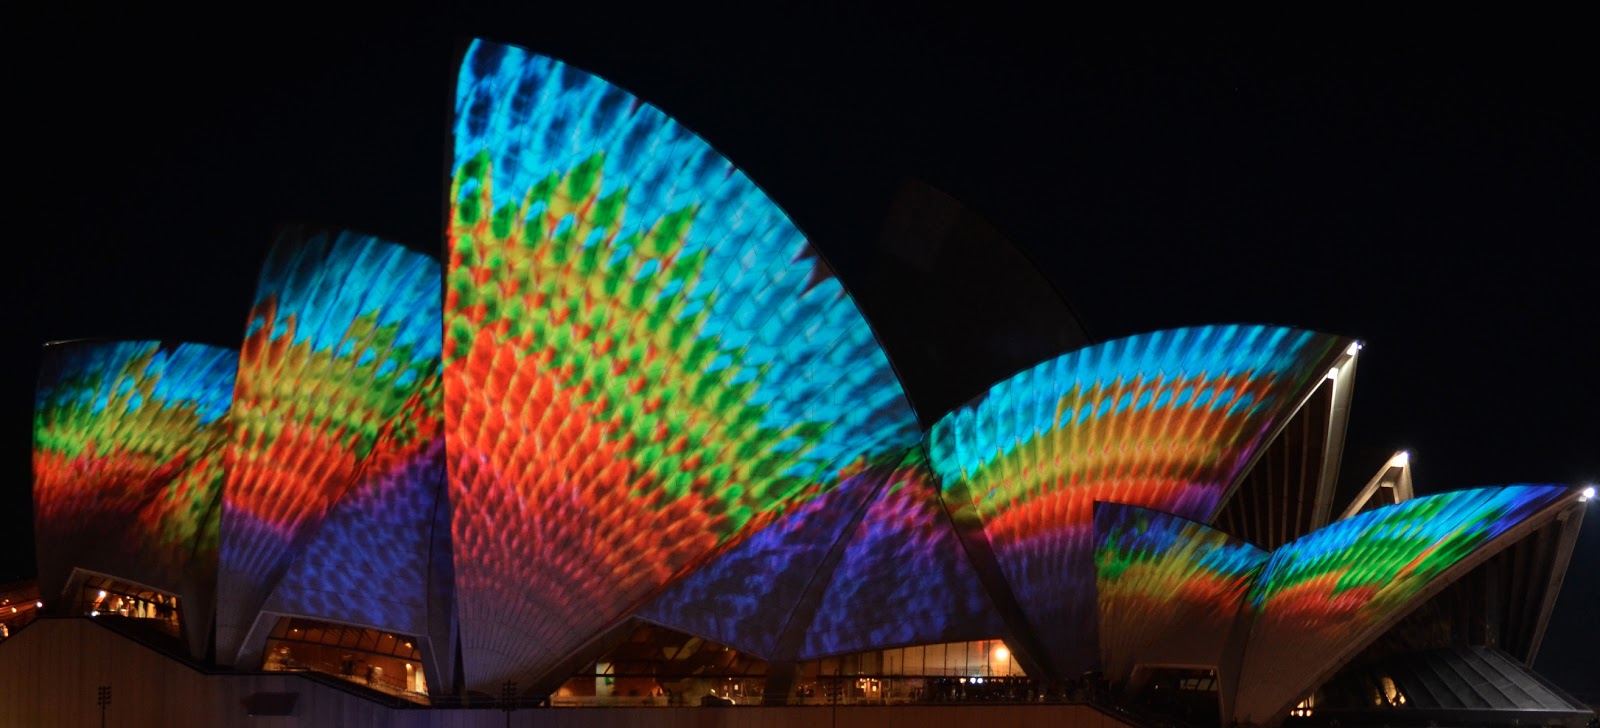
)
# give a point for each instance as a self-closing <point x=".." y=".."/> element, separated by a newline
<point x="1355" y="347"/>
<point x="102" y="594"/>
<point x="38" y="605"/>
<point x="1401" y="460"/>
<point x="1001" y="653"/>
<point x="94" y="613"/>
<point x="1588" y="494"/>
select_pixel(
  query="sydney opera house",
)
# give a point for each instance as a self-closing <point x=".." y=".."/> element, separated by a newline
<point x="632" y="452"/>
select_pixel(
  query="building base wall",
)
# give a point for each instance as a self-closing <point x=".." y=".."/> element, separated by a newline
<point x="51" y="672"/>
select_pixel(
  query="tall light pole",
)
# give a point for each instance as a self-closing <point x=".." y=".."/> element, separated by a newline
<point x="103" y="699"/>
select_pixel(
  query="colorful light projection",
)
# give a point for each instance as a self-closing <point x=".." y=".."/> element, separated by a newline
<point x="337" y="393"/>
<point x="1329" y="593"/>
<point x="126" y="459"/>
<point x="644" y="360"/>
<point x="748" y="597"/>
<point x="1169" y="590"/>
<point x="1347" y="574"/>
<point x="368" y="561"/>
<point x="904" y="578"/>
<point x="1166" y="420"/>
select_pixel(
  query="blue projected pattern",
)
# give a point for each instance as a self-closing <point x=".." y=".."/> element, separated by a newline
<point x="774" y="310"/>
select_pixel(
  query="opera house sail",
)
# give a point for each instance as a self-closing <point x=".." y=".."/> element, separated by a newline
<point x="127" y="461"/>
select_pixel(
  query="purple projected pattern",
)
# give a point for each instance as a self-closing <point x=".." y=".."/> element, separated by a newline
<point x="904" y="578"/>
<point x="745" y="598"/>
<point x="368" y="562"/>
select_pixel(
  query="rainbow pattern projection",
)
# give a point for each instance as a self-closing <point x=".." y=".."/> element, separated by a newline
<point x="338" y="385"/>
<point x="904" y="578"/>
<point x="1166" y="420"/>
<point x="748" y="597"/>
<point x="1330" y="592"/>
<point x="1353" y="572"/>
<point x="1169" y="589"/>
<point x="126" y="456"/>
<point x="644" y="359"/>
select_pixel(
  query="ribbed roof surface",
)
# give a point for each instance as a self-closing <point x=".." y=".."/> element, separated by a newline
<point x="1461" y="678"/>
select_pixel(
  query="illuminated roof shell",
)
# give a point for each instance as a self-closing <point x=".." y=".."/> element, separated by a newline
<point x="1169" y="590"/>
<point x="1168" y="420"/>
<point x="127" y="465"/>
<point x="650" y="395"/>
<point x="1325" y="596"/>
<point x="645" y="360"/>
<point x="335" y="412"/>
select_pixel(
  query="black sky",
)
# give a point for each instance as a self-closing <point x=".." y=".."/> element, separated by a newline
<point x="1431" y="191"/>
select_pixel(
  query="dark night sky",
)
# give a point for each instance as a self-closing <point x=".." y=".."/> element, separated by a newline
<point x="1430" y="191"/>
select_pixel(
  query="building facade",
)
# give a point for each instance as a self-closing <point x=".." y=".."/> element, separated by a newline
<point x="633" y="442"/>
